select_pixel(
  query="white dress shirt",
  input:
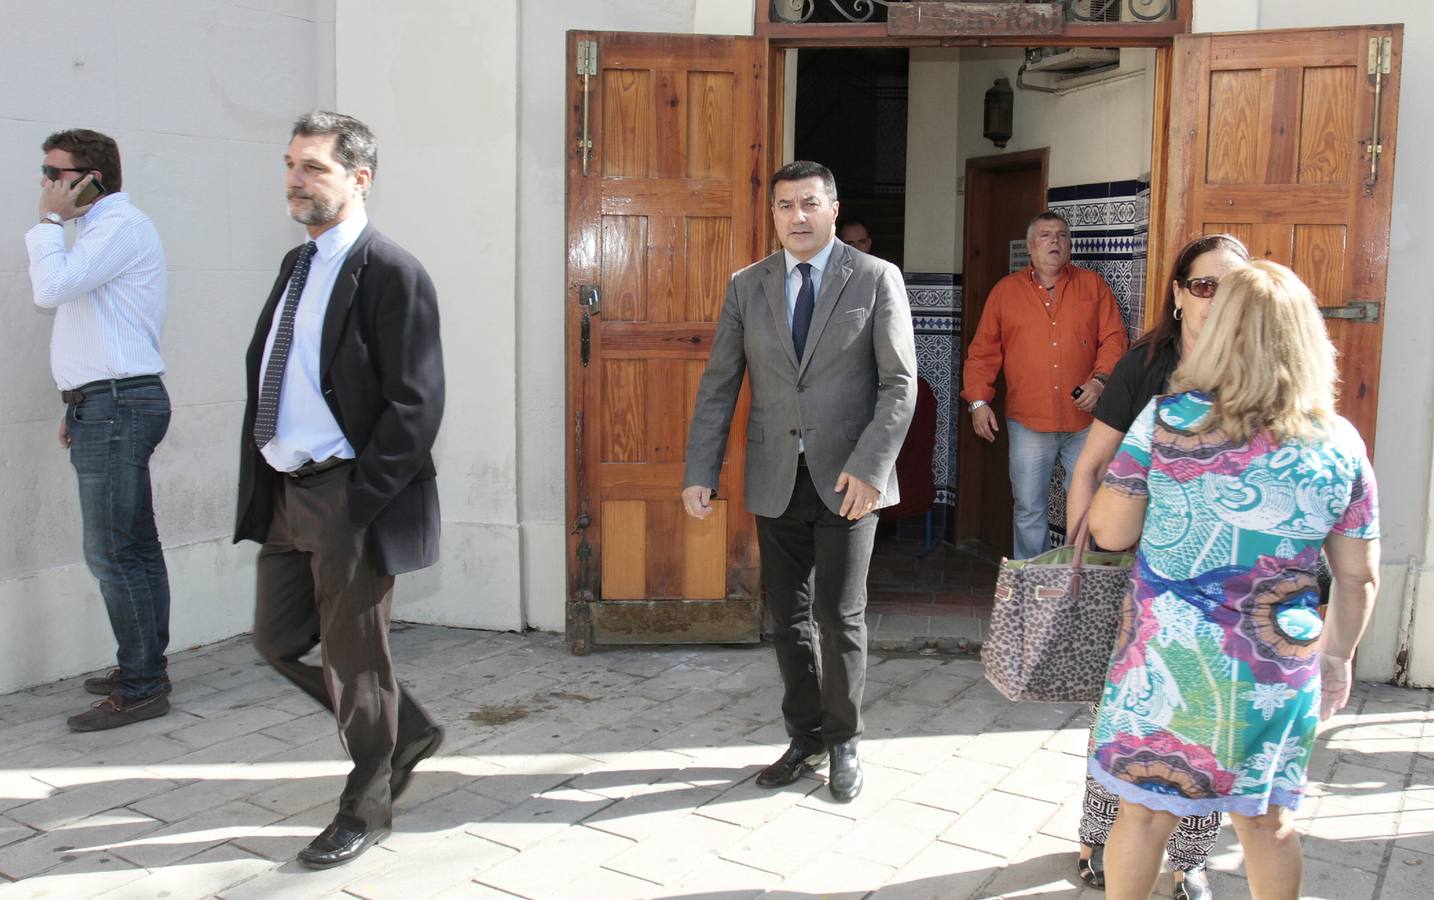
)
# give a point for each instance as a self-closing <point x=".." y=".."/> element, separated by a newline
<point x="307" y="429"/>
<point x="108" y="291"/>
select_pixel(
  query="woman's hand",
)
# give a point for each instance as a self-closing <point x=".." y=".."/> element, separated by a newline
<point x="1334" y="674"/>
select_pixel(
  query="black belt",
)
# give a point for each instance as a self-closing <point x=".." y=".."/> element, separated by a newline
<point x="311" y="468"/>
<point x="109" y="385"/>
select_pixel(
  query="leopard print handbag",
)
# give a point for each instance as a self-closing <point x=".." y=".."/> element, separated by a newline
<point x="1054" y="624"/>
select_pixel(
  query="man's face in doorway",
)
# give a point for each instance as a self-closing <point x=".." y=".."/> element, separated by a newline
<point x="855" y="235"/>
<point x="1049" y="244"/>
<point x="805" y="216"/>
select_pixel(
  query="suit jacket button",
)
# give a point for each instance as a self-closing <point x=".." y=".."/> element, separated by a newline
<point x="801" y="387"/>
<point x="794" y="432"/>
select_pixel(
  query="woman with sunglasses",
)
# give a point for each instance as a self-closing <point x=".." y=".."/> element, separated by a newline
<point x="1143" y="372"/>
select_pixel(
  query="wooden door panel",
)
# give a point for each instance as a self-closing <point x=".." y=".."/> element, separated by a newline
<point x="672" y="204"/>
<point x="1268" y="141"/>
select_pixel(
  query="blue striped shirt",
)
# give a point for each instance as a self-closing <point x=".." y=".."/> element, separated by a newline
<point x="107" y="290"/>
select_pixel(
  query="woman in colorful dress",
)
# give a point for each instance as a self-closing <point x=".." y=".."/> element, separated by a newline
<point x="1143" y="372"/>
<point x="1223" y="667"/>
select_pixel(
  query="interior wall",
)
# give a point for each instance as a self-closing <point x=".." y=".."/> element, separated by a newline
<point x="933" y="130"/>
<point x="201" y="131"/>
<point x="1404" y="445"/>
<point x="1097" y="133"/>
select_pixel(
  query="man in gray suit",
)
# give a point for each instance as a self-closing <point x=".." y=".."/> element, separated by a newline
<point x="825" y="333"/>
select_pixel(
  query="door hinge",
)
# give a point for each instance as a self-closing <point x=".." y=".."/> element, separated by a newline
<point x="1353" y="311"/>
<point x="587" y="68"/>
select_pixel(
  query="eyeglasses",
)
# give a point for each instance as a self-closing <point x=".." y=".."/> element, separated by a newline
<point x="53" y="172"/>
<point x="1204" y="288"/>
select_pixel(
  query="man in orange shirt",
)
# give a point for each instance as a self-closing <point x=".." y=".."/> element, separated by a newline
<point x="1056" y="329"/>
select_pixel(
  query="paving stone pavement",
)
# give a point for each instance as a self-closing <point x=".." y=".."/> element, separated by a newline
<point x="629" y="774"/>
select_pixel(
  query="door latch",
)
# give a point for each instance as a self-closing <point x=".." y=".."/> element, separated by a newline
<point x="590" y="300"/>
<point x="1353" y="311"/>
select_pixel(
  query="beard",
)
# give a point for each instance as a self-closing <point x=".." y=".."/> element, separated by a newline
<point x="318" y="211"/>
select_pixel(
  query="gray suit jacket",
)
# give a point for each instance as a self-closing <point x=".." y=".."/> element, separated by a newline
<point x="850" y="398"/>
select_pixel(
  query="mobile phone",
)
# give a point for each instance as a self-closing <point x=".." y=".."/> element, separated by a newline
<point x="91" y="193"/>
<point x="1076" y="392"/>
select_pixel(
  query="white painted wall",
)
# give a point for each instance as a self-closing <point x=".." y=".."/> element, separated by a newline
<point x="1101" y="132"/>
<point x="540" y="254"/>
<point x="201" y="130"/>
<point x="436" y="83"/>
<point x="1404" y="440"/>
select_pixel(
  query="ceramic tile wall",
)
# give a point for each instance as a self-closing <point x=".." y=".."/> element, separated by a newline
<point x="935" y="300"/>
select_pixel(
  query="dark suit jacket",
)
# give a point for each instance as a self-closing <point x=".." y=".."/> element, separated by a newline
<point x="381" y="365"/>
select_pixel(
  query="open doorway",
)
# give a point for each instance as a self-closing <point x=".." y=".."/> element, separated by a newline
<point x="1080" y="143"/>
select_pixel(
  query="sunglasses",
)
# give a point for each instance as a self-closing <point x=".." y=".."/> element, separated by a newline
<point x="1204" y="288"/>
<point x="53" y="172"/>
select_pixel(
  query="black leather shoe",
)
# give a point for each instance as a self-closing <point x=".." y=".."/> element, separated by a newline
<point x="796" y="762"/>
<point x="410" y="755"/>
<point x="844" y="780"/>
<point x="339" y="844"/>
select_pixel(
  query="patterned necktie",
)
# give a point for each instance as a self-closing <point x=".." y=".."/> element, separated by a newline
<point x="802" y="315"/>
<point x="266" y="420"/>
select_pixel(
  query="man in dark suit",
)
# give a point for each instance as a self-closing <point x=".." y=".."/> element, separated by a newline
<point x="824" y="332"/>
<point x="336" y="477"/>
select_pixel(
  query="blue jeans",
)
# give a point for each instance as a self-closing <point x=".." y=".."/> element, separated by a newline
<point x="113" y="432"/>
<point x="1033" y="456"/>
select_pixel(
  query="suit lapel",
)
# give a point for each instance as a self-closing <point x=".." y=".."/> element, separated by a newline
<point x="774" y="285"/>
<point x="341" y="300"/>
<point x="833" y="280"/>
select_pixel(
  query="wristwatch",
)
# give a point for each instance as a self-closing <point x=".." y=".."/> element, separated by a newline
<point x="53" y="217"/>
<point x="975" y="405"/>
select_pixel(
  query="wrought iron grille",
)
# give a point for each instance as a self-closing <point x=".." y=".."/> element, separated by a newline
<point x="796" y="12"/>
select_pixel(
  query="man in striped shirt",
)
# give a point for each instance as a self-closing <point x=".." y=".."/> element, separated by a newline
<point x="108" y="293"/>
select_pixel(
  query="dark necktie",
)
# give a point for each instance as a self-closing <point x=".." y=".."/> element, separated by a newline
<point x="266" y="419"/>
<point x="802" y="315"/>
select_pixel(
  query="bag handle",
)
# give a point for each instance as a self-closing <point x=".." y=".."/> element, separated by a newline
<point x="1082" y="540"/>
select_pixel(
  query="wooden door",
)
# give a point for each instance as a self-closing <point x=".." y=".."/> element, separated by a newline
<point x="1003" y="194"/>
<point x="1270" y="136"/>
<point x="668" y="203"/>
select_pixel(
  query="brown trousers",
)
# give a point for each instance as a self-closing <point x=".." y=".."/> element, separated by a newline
<point x="317" y="579"/>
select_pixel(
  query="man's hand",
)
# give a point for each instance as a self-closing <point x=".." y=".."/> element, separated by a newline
<point x="59" y="197"/>
<point x="64" y="432"/>
<point x="696" y="499"/>
<point x="1089" y="394"/>
<point x="984" y="421"/>
<point x="861" y="498"/>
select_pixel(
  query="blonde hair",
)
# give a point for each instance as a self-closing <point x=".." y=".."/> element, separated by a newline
<point x="1264" y="357"/>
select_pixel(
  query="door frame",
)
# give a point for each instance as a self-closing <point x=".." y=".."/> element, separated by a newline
<point x="979" y="172"/>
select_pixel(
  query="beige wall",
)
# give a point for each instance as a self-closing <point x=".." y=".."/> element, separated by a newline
<point x="932" y="130"/>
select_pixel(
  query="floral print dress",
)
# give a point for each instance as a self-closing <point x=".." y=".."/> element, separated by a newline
<point x="1213" y="693"/>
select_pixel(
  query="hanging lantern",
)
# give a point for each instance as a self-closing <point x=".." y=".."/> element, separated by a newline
<point x="1000" y="110"/>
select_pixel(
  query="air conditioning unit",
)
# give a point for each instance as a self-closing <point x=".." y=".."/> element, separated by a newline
<point x="1120" y="10"/>
<point x="1057" y="69"/>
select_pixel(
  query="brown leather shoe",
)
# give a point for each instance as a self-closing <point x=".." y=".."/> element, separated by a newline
<point x="112" y="712"/>
<point x="108" y="683"/>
